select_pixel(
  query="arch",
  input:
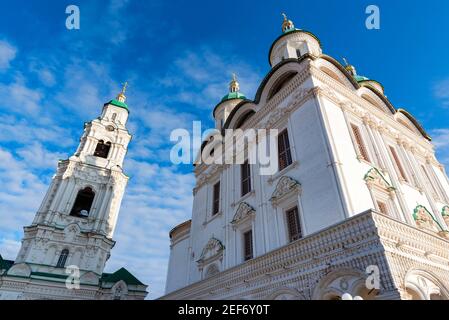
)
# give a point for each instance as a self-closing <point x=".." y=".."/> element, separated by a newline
<point x="241" y="121"/>
<point x="375" y="99"/>
<point x="102" y="149"/>
<point x="241" y="110"/>
<point x="332" y="75"/>
<point x="423" y="285"/>
<point x="333" y="285"/>
<point x="119" y="290"/>
<point x="62" y="258"/>
<point x="83" y="203"/>
<point x="285" y="293"/>
<point x="411" y="121"/>
<point x="280" y="83"/>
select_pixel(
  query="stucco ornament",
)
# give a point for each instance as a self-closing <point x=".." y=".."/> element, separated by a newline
<point x="213" y="249"/>
<point x="284" y="188"/>
<point x="244" y="212"/>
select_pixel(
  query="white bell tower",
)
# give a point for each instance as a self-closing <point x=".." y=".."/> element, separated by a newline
<point x="76" y="220"/>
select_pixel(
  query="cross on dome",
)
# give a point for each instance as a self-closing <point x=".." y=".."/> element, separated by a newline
<point x="287" y="25"/>
<point x="121" y="96"/>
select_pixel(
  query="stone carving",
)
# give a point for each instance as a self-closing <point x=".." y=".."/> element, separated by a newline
<point x="213" y="250"/>
<point x="284" y="188"/>
<point x="425" y="220"/>
<point x="275" y="116"/>
<point x="244" y="212"/>
<point x="374" y="177"/>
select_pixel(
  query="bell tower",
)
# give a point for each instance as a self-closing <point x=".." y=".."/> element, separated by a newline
<point x="76" y="220"/>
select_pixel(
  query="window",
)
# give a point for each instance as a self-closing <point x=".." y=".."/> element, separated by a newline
<point x="102" y="149"/>
<point x="62" y="259"/>
<point x="216" y="199"/>
<point x="382" y="207"/>
<point x="248" y="245"/>
<point x="83" y="203"/>
<point x="362" y="152"/>
<point x="284" y="153"/>
<point x="293" y="225"/>
<point x="114" y="116"/>
<point x="246" y="177"/>
<point x="398" y="164"/>
<point x="298" y="53"/>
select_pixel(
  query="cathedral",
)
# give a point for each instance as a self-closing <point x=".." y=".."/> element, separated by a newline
<point x="65" y="249"/>
<point x="358" y="206"/>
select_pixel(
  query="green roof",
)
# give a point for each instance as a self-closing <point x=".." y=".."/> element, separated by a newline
<point x="233" y="95"/>
<point x="121" y="274"/>
<point x="117" y="103"/>
<point x="360" y="78"/>
<point x="5" y="264"/>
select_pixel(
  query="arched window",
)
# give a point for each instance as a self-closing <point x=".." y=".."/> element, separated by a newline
<point x="83" y="203"/>
<point x="102" y="149"/>
<point x="114" y="116"/>
<point x="62" y="259"/>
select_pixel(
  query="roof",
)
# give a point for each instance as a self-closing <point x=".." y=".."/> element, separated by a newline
<point x="119" y="104"/>
<point x="287" y="33"/>
<point x="121" y="274"/>
<point x="233" y="95"/>
<point x="5" y="264"/>
<point x="360" y="78"/>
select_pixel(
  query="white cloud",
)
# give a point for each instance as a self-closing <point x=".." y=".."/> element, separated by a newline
<point x="9" y="248"/>
<point x="440" y="139"/>
<point x="37" y="156"/>
<point x="19" y="98"/>
<point x="201" y="77"/>
<point x="441" y="92"/>
<point x="7" y="54"/>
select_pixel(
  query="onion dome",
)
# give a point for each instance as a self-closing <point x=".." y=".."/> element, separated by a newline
<point x="234" y="90"/>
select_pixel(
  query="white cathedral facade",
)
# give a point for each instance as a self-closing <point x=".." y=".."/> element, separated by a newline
<point x="74" y="225"/>
<point x="358" y="194"/>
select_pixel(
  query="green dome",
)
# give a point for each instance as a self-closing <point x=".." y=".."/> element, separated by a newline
<point x="118" y="104"/>
<point x="233" y="95"/>
<point x="360" y="78"/>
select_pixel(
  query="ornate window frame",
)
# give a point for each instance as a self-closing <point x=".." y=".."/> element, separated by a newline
<point x="212" y="253"/>
<point x="286" y="196"/>
<point x="425" y="220"/>
<point x="243" y="221"/>
<point x="381" y="190"/>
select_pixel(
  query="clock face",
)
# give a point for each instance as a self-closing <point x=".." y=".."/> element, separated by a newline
<point x="110" y="128"/>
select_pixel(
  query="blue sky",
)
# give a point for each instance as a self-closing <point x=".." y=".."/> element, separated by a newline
<point x="178" y="57"/>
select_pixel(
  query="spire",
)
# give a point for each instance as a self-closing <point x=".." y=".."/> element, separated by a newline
<point x="350" y="68"/>
<point x="234" y="85"/>
<point x="287" y="25"/>
<point x="121" y="96"/>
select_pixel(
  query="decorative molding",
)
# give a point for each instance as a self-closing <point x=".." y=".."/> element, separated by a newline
<point x="244" y="212"/>
<point x="212" y="251"/>
<point x="374" y="178"/>
<point x="425" y="220"/>
<point x="285" y="188"/>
